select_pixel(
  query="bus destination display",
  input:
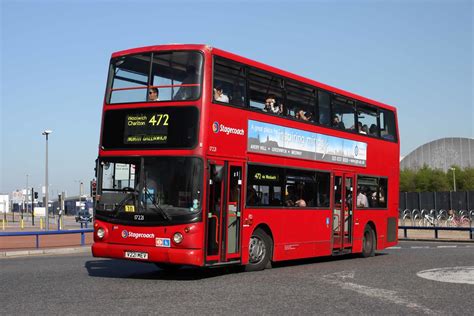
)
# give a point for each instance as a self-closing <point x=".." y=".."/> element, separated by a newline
<point x="146" y="128"/>
<point x="151" y="128"/>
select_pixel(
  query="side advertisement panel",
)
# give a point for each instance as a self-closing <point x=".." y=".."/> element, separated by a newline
<point x="289" y="142"/>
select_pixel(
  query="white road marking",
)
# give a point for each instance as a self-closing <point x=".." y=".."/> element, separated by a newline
<point x="343" y="280"/>
<point x="450" y="274"/>
<point x="432" y="247"/>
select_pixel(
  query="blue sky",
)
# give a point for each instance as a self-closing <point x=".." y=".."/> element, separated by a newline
<point x="415" y="55"/>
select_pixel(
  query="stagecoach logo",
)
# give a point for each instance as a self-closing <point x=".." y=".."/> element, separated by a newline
<point x="216" y="128"/>
<point x="356" y="150"/>
<point x="126" y="234"/>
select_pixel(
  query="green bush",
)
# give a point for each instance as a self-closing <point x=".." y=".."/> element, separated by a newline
<point x="426" y="179"/>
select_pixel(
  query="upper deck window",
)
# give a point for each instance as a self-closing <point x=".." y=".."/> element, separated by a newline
<point x="246" y="86"/>
<point x="229" y="82"/>
<point x="151" y="77"/>
<point x="343" y="113"/>
<point x="387" y="125"/>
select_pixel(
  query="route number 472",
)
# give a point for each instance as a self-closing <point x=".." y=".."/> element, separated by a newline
<point x="159" y="119"/>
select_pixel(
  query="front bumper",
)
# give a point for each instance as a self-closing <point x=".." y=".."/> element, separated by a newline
<point x="193" y="257"/>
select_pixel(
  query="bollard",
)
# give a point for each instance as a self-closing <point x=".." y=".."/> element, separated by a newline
<point x="22" y="223"/>
<point x="3" y="224"/>
<point x="41" y="223"/>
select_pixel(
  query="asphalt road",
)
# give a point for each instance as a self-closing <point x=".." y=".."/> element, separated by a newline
<point x="389" y="283"/>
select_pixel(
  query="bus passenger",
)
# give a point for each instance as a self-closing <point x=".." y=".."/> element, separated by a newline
<point x="153" y="94"/>
<point x="302" y="115"/>
<point x="252" y="196"/>
<point x="219" y="95"/>
<point x="271" y="105"/>
<point x="362" y="200"/>
<point x="300" y="203"/>
<point x="336" y="122"/>
<point x="360" y="128"/>
<point x="373" y="130"/>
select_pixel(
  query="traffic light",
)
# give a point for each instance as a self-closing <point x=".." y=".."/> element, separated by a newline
<point x="93" y="188"/>
<point x="36" y="195"/>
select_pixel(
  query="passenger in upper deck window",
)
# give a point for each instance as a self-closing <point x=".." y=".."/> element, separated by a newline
<point x="336" y="122"/>
<point x="303" y="115"/>
<point x="219" y="95"/>
<point x="272" y="106"/>
<point x="153" y="94"/>
<point x="373" y="130"/>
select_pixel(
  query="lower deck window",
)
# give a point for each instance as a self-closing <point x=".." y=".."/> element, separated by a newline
<point x="284" y="187"/>
<point x="371" y="192"/>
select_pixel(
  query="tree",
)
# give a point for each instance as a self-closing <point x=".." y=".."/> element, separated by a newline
<point x="407" y="180"/>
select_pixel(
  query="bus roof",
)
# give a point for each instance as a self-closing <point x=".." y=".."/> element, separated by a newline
<point x="229" y="55"/>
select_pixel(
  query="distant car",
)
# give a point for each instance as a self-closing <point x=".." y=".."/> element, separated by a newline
<point x="83" y="217"/>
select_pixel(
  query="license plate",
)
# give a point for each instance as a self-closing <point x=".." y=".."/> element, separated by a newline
<point x="136" y="255"/>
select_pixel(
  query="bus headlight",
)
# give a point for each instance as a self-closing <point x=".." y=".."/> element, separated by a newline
<point x="178" y="238"/>
<point x="100" y="233"/>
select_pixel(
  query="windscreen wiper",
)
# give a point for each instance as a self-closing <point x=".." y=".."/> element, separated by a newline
<point x="130" y="194"/>
<point x="158" y="208"/>
<point x="143" y="183"/>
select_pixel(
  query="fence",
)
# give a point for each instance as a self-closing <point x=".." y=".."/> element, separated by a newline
<point x="459" y="200"/>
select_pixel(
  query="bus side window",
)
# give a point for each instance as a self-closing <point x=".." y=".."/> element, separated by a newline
<point x="262" y="85"/>
<point x="231" y="77"/>
<point x="343" y="113"/>
<point x="387" y="125"/>
<point x="324" y="108"/>
<point x="300" y="101"/>
<point x="367" y="120"/>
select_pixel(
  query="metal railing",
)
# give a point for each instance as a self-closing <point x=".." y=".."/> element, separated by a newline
<point x="437" y="220"/>
<point x="436" y="229"/>
<point x="54" y="232"/>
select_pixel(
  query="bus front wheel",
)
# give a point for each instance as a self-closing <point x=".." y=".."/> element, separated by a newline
<point x="260" y="251"/>
<point x="368" y="243"/>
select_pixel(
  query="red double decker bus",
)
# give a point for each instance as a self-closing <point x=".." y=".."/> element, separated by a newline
<point x="207" y="158"/>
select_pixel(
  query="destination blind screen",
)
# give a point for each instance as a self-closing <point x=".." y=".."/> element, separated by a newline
<point x="146" y="128"/>
<point x="150" y="128"/>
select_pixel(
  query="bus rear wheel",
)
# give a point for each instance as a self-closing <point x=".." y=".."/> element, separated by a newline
<point x="260" y="251"/>
<point x="368" y="243"/>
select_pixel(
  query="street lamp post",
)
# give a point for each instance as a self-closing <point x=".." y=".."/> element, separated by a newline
<point x="454" y="177"/>
<point x="46" y="133"/>
<point x="27" y="194"/>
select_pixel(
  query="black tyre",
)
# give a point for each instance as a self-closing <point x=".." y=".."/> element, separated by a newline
<point x="260" y="251"/>
<point x="368" y="243"/>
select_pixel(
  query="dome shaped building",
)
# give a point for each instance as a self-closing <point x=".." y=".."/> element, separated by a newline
<point x="441" y="154"/>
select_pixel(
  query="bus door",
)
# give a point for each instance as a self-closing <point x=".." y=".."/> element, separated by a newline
<point x="342" y="210"/>
<point x="224" y="212"/>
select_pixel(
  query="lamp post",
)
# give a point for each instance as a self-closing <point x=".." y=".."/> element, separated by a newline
<point x="27" y="194"/>
<point x="46" y="133"/>
<point x="454" y="177"/>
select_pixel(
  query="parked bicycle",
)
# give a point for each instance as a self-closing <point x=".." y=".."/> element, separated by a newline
<point x="457" y="220"/>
